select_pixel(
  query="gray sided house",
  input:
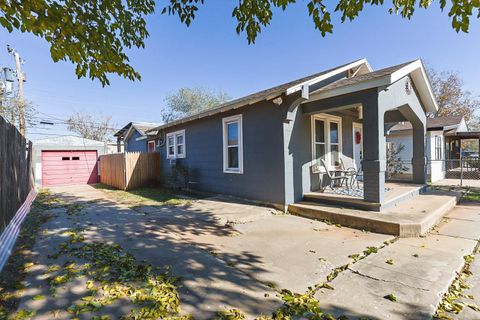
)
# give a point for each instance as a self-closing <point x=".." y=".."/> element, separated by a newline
<point x="135" y="139"/>
<point x="265" y="146"/>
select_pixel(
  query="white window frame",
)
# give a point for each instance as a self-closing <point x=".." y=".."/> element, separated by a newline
<point x="327" y="119"/>
<point x="225" y="121"/>
<point x="154" y="146"/>
<point x="175" y="153"/>
<point x="439" y="148"/>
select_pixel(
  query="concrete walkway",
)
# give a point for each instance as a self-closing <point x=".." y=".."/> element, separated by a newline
<point x="421" y="270"/>
<point x="231" y="255"/>
<point x="456" y="182"/>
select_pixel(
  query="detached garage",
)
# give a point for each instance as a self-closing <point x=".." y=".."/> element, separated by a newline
<point x="67" y="160"/>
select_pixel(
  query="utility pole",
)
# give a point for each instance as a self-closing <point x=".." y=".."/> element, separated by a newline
<point x="20" y="79"/>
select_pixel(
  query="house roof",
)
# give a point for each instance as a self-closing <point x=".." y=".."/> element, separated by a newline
<point x="463" y="135"/>
<point x="67" y="140"/>
<point x="271" y="93"/>
<point x="384" y="77"/>
<point x="141" y="127"/>
<point x="362" y="78"/>
<point x="440" y="123"/>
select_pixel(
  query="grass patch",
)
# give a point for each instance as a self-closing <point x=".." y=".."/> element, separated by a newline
<point x="471" y="194"/>
<point x="467" y="193"/>
<point x="145" y="196"/>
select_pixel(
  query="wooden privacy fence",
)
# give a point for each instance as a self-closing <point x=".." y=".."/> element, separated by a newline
<point x="129" y="170"/>
<point x="16" y="171"/>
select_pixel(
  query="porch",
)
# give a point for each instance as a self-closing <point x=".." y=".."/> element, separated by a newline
<point x="343" y="126"/>
<point x="395" y="193"/>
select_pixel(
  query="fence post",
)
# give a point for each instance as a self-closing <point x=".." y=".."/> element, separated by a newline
<point x="125" y="180"/>
<point x="461" y="171"/>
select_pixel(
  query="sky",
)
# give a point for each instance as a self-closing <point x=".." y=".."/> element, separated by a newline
<point x="210" y="54"/>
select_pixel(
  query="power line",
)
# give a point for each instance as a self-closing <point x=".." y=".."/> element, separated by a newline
<point x="65" y="122"/>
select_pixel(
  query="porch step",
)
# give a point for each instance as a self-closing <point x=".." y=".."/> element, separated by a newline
<point x="398" y="194"/>
<point x="409" y="219"/>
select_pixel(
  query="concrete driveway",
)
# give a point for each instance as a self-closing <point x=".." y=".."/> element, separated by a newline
<point x="233" y="255"/>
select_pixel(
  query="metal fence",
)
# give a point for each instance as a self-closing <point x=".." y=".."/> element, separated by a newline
<point x="463" y="168"/>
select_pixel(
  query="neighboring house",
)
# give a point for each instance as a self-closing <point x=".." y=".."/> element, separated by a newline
<point x="437" y="150"/>
<point x="263" y="146"/>
<point x="66" y="160"/>
<point x="135" y="138"/>
<point x="115" y="147"/>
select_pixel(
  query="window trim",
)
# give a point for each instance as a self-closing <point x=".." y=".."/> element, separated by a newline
<point x="225" y="121"/>
<point x="327" y="119"/>
<point x="439" y="148"/>
<point x="175" y="134"/>
<point x="154" y="146"/>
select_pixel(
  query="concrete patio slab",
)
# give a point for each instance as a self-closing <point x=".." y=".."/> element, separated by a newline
<point x="460" y="229"/>
<point x="297" y="252"/>
<point x="456" y="182"/>
<point x="417" y="283"/>
<point x="473" y="281"/>
<point x="433" y="269"/>
<point x="465" y="211"/>
<point x="228" y="253"/>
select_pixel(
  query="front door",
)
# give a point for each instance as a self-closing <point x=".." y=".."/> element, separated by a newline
<point x="357" y="144"/>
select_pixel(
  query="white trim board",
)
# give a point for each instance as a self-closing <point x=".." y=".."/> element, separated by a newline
<point x="322" y="77"/>
<point x="225" y="121"/>
<point x="175" y="154"/>
<point x="327" y="118"/>
<point x="414" y="69"/>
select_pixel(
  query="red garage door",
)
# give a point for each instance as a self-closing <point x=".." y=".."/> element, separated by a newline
<point x="69" y="167"/>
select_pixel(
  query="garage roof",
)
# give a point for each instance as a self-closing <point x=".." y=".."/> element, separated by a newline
<point x="68" y="141"/>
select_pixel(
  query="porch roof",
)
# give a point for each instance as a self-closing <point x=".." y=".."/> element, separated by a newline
<point x="381" y="78"/>
<point x="463" y="135"/>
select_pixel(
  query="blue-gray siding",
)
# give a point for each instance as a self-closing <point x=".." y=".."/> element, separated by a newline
<point x="300" y="151"/>
<point x="132" y="145"/>
<point x="262" y="179"/>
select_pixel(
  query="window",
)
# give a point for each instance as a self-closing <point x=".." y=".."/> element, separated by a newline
<point x="438" y="148"/>
<point x="75" y="158"/>
<point x="327" y="139"/>
<point x="175" y="144"/>
<point x="320" y="141"/>
<point x="151" y="146"/>
<point x="65" y="158"/>
<point x="232" y="144"/>
<point x="334" y="144"/>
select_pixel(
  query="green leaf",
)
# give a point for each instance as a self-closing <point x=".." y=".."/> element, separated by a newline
<point x="391" y="297"/>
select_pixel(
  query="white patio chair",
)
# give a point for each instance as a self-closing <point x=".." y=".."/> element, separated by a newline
<point x="335" y="178"/>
